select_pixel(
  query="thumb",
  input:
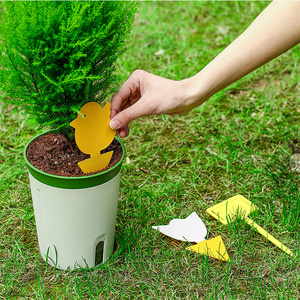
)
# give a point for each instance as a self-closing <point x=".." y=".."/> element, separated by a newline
<point x="127" y="115"/>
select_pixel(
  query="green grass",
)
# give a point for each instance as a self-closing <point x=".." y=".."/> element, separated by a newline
<point x="237" y="142"/>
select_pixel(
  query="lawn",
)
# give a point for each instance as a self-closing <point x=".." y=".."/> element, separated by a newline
<point x="239" y="142"/>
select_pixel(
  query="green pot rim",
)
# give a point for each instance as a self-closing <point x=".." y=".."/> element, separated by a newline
<point x="73" y="182"/>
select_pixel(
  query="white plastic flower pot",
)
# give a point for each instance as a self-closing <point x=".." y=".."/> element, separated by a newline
<point x="75" y="216"/>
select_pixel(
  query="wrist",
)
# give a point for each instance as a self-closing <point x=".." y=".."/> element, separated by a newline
<point x="196" y="90"/>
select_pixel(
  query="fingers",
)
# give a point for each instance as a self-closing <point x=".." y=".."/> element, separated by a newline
<point x="141" y="95"/>
<point x="125" y="106"/>
<point x="129" y="89"/>
<point x="124" y="132"/>
<point x="123" y="118"/>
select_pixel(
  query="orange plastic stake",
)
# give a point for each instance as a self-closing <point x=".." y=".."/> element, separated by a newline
<point x="93" y="134"/>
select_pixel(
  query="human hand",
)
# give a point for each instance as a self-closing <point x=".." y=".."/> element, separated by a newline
<point x="273" y="32"/>
<point x="147" y="94"/>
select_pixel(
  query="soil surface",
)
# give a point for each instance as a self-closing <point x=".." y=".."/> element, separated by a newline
<point x="52" y="153"/>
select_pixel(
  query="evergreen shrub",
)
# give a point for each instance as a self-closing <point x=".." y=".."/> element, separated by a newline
<point x="55" y="56"/>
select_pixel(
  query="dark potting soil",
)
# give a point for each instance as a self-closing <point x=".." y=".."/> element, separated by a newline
<point x="53" y="154"/>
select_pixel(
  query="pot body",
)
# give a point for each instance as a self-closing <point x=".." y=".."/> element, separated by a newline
<point x="75" y="220"/>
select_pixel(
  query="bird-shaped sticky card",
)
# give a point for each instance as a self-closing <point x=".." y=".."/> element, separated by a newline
<point x="93" y="134"/>
<point x="192" y="229"/>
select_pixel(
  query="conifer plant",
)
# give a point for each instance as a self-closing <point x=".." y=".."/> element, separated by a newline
<point x="55" y="56"/>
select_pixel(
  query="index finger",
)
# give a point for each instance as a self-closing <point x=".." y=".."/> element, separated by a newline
<point x="120" y="98"/>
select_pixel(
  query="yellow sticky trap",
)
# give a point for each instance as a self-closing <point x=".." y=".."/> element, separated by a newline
<point x="230" y="208"/>
<point x="227" y="210"/>
<point x="93" y="134"/>
<point x="213" y="248"/>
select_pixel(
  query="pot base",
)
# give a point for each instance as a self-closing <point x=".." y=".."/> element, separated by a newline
<point x="75" y="227"/>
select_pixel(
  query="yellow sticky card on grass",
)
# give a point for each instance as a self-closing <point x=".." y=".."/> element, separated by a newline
<point x="93" y="134"/>
<point x="214" y="248"/>
<point x="227" y="210"/>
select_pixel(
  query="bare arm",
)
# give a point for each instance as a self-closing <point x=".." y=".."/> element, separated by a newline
<point x="273" y="32"/>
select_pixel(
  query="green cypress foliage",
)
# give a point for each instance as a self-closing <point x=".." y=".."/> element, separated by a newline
<point x="57" y="55"/>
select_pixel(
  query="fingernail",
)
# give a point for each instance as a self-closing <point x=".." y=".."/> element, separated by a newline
<point x="114" y="124"/>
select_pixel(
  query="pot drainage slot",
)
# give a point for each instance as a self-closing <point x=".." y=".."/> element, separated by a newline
<point x="99" y="253"/>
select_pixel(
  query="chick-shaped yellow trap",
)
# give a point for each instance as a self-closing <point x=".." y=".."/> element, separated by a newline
<point x="214" y="248"/>
<point x="93" y="134"/>
<point x="227" y="210"/>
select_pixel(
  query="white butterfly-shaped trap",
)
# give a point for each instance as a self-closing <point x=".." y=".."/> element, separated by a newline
<point x="193" y="230"/>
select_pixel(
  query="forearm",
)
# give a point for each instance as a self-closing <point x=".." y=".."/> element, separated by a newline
<point x="273" y="32"/>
